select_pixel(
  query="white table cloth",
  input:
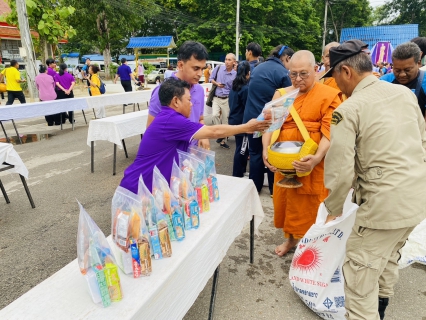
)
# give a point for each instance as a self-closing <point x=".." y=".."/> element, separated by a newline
<point x="175" y="282"/>
<point x="9" y="155"/>
<point x="119" y="98"/>
<point x="116" y="128"/>
<point x="38" y="109"/>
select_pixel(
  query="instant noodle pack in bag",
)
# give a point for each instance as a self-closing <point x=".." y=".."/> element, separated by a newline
<point x="277" y="111"/>
<point x="130" y="234"/>
<point x="97" y="262"/>
<point x="157" y="226"/>
<point x="169" y="206"/>
<point x="182" y="189"/>
<point x="210" y="168"/>
<point x="194" y="169"/>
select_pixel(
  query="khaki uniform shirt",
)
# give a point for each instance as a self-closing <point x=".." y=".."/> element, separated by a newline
<point x="380" y="133"/>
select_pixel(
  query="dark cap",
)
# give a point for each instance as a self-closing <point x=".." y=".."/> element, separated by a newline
<point x="346" y="50"/>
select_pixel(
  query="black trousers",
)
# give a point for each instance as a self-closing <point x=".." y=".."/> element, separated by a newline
<point x="2" y="95"/>
<point x="12" y="95"/>
<point x="257" y="167"/>
<point x="240" y="160"/>
<point x="62" y="95"/>
<point x="127" y="85"/>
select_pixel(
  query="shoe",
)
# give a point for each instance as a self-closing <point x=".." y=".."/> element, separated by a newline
<point x="224" y="146"/>
<point x="383" y="303"/>
<point x="219" y="140"/>
<point x="57" y="123"/>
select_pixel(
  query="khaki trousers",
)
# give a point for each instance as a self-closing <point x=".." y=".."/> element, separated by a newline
<point x="371" y="269"/>
<point x="220" y="105"/>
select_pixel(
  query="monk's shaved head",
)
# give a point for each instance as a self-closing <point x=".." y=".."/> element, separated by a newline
<point x="328" y="46"/>
<point x="302" y="70"/>
<point x="305" y="56"/>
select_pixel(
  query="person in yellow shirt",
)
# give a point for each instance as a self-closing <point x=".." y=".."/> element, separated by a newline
<point x="13" y="80"/>
<point x="95" y="84"/>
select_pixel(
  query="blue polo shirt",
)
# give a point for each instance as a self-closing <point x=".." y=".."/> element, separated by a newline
<point x="267" y="78"/>
<point x="124" y="72"/>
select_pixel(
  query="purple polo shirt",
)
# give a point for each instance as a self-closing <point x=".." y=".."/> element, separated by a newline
<point x="225" y="77"/>
<point x="124" y="72"/>
<point x="65" y="80"/>
<point x="51" y="72"/>
<point x="168" y="132"/>
<point x="197" y="99"/>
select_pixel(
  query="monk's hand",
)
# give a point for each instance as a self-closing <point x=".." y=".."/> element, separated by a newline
<point x="204" y="143"/>
<point x="266" y="162"/>
<point x="257" y="125"/>
<point x="306" y="164"/>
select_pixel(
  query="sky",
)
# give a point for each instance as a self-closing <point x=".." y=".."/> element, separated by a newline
<point x="376" y="3"/>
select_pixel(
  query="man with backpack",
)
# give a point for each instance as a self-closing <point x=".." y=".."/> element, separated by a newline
<point x="406" y="60"/>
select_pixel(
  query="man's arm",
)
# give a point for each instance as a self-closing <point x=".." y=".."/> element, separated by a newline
<point x="203" y="143"/>
<point x="223" y="130"/>
<point x="340" y="161"/>
<point x="149" y="120"/>
<point x="116" y="77"/>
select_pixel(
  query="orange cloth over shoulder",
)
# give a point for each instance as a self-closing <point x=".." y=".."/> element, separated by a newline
<point x="331" y="82"/>
<point x="295" y="210"/>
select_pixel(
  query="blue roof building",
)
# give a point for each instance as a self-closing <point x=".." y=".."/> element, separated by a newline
<point x="151" y="42"/>
<point x="395" y="34"/>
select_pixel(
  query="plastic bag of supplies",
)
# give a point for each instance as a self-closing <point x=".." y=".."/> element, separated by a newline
<point x="414" y="249"/>
<point x="97" y="262"/>
<point x="316" y="270"/>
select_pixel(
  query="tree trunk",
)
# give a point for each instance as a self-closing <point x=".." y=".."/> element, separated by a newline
<point x="43" y="50"/>
<point x="107" y="60"/>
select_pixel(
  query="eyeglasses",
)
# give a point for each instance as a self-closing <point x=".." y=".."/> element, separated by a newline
<point x="303" y="75"/>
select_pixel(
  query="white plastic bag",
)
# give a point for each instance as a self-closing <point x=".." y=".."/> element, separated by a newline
<point x="316" y="270"/>
<point x="414" y="249"/>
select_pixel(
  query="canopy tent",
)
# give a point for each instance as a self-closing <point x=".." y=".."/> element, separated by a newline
<point x="382" y="52"/>
<point x="137" y="43"/>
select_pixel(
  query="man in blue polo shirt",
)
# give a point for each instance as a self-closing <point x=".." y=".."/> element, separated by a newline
<point x="126" y="75"/>
<point x="171" y="131"/>
<point x="191" y="58"/>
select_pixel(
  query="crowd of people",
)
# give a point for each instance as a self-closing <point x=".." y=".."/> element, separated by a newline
<point x="370" y="131"/>
<point x="368" y="122"/>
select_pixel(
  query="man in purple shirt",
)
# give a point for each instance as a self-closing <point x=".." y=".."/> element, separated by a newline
<point x="191" y="58"/>
<point x="126" y="75"/>
<point x="171" y="131"/>
<point x="222" y="76"/>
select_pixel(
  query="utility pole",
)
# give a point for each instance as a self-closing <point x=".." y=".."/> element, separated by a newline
<point x="237" y="31"/>
<point x="325" y="25"/>
<point x="27" y="44"/>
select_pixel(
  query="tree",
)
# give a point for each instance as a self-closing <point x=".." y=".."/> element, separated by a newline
<point x="49" y="19"/>
<point x="270" y="23"/>
<point x="344" y="14"/>
<point x="403" y="12"/>
<point x="107" y="25"/>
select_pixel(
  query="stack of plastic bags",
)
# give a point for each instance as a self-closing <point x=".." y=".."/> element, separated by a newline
<point x="96" y="262"/>
<point x="130" y="235"/>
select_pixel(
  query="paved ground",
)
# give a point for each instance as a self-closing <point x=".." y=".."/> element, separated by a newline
<point x="35" y="243"/>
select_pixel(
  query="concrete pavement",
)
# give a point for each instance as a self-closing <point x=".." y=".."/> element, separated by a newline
<point x="35" y="243"/>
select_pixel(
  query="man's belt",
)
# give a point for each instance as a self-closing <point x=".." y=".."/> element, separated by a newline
<point x="224" y="97"/>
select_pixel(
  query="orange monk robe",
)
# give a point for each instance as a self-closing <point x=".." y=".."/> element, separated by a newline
<point x="331" y="82"/>
<point x="295" y="210"/>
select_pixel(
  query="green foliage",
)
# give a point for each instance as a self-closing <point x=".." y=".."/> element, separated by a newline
<point x="108" y="24"/>
<point x="48" y="18"/>
<point x="148" y="67"/>
<point x="113" y="69"/>
<point x="24" y="85"/>
<point x="344" y="14"/>
<point x="403" y="12"/>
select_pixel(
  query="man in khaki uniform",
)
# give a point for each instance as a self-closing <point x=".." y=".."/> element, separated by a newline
<point x="380" y="133"/>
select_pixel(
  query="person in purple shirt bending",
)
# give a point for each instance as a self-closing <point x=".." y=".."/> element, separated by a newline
<point x="171" y="131"/>
<point x="126" y="75"/>
<point x="65" y="83"/>
<point x="223" y="76"/>
<point x="51" y="68"/>
<point x="191" y="58"/>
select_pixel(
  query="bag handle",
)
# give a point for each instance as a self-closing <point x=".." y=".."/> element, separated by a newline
<point x="297" y="119"/>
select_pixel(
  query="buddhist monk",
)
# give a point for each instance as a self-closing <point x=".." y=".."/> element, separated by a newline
<point x="328" y="81"/>
<point x="295" y="210"/>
